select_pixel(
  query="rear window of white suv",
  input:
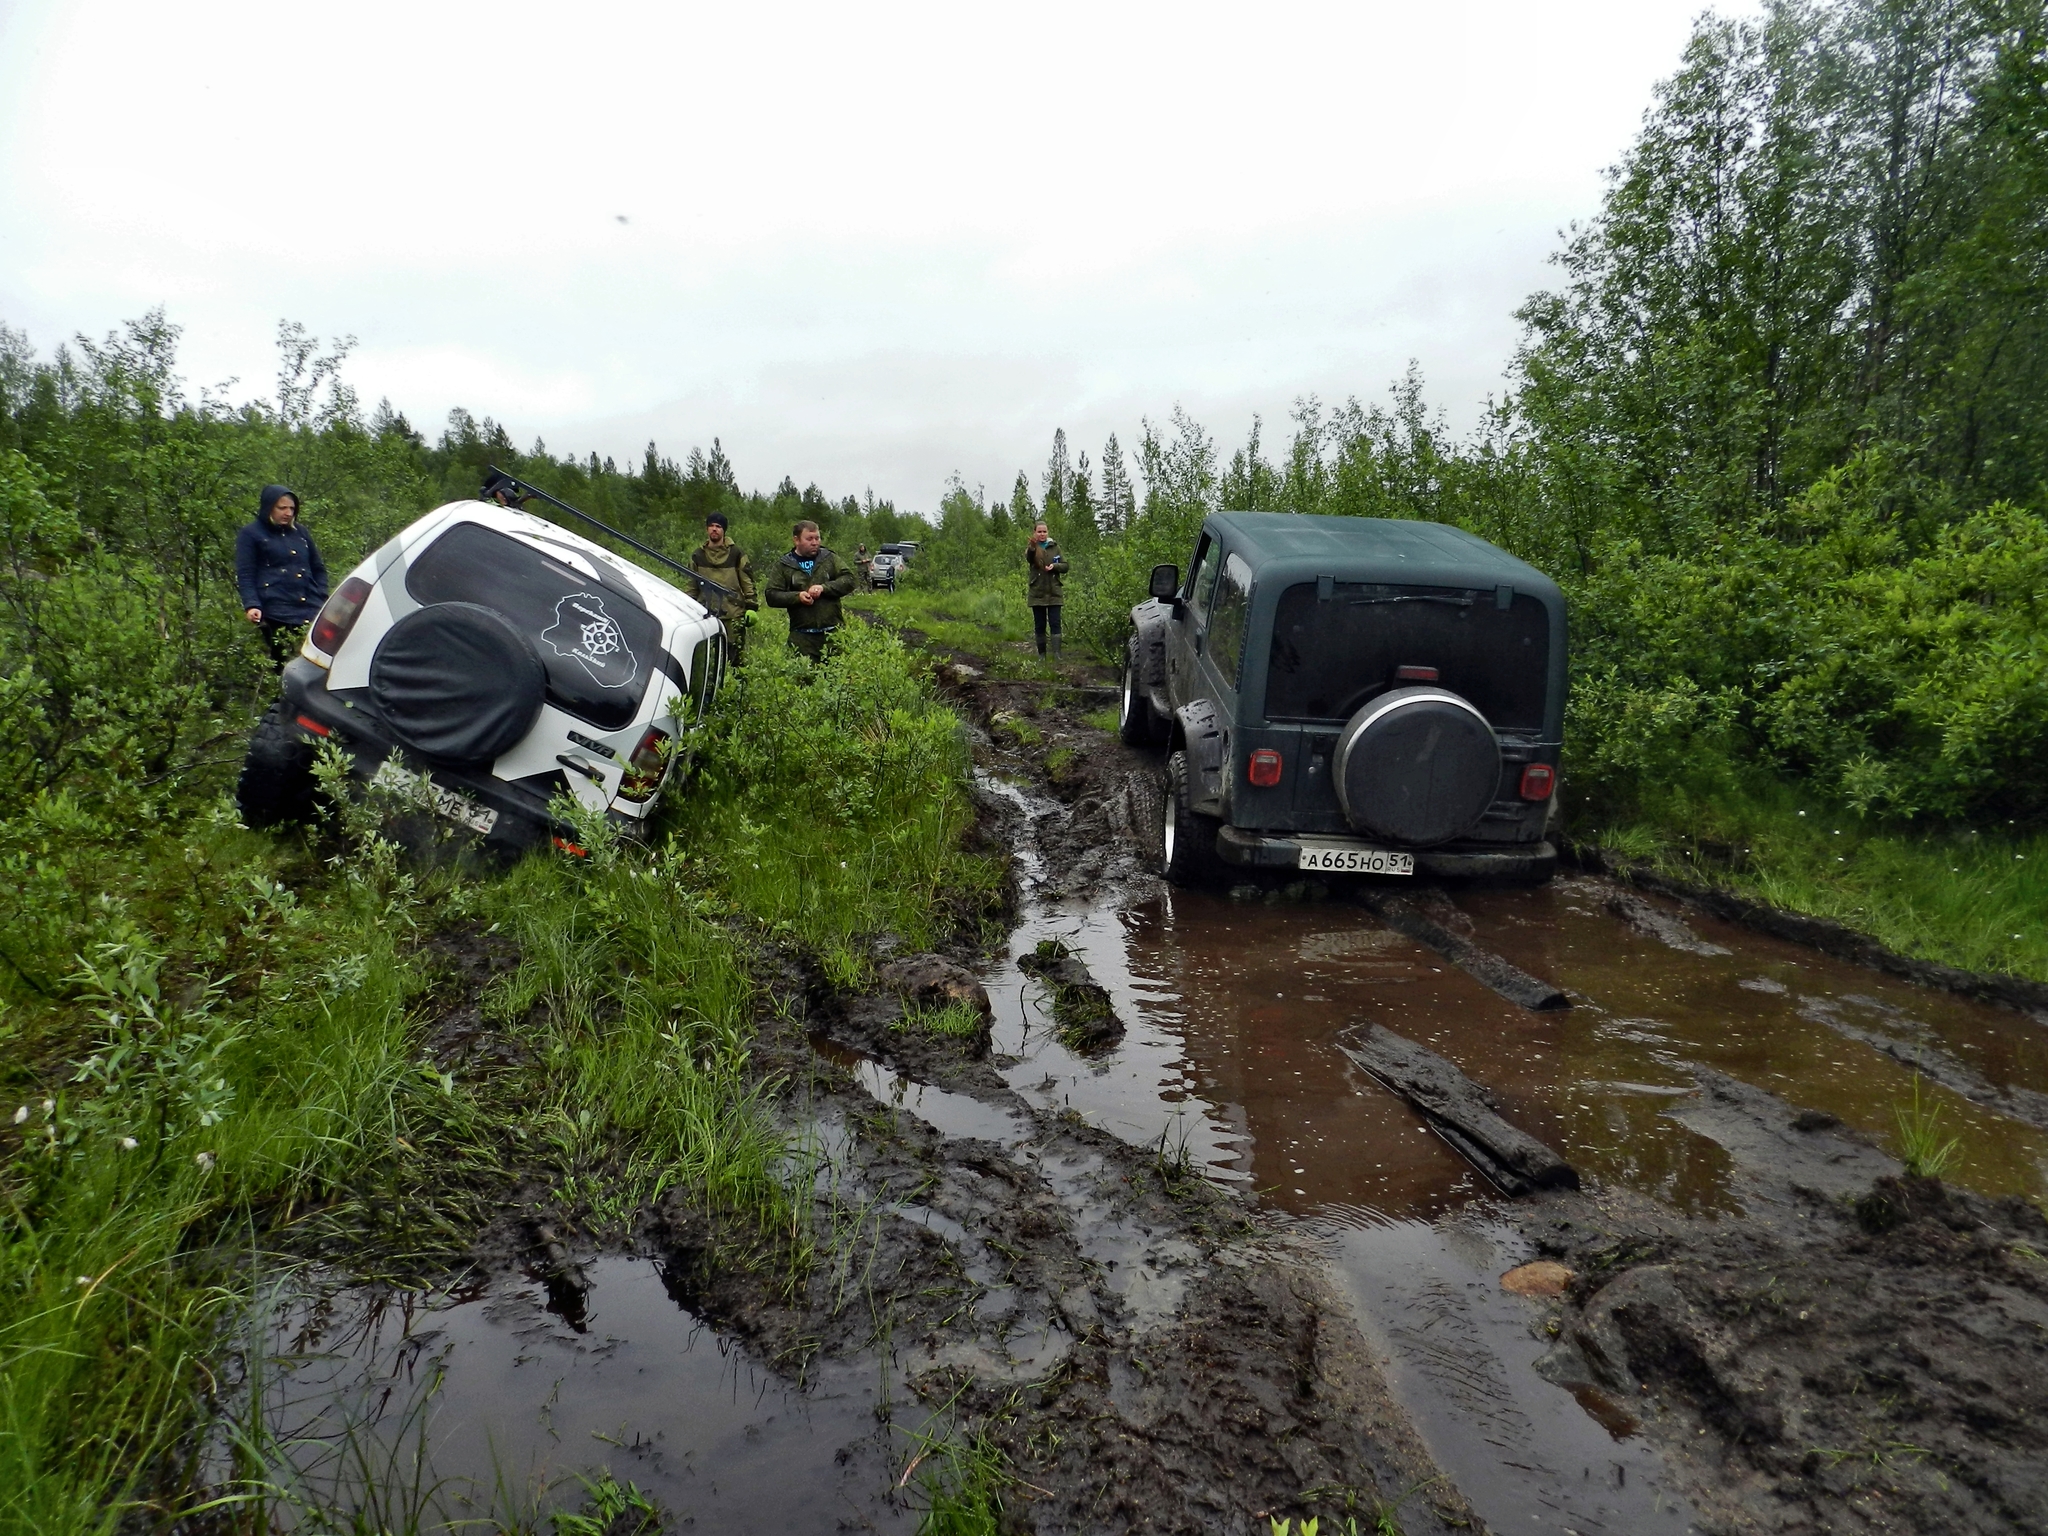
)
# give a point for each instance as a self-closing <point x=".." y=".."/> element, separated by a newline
<point x="599" y="646"/>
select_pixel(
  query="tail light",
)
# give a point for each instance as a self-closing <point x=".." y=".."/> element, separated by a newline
<point x="1264" y="769"/>
<point x="336" y="619"/>
<point x="645" y="767"/>
<point x="1538" y="780"/>
<point x="1415" y="674"/>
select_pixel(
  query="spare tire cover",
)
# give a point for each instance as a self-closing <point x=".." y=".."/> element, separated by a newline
<point x="1418" y="765"/>
<point x="457" y="683"/>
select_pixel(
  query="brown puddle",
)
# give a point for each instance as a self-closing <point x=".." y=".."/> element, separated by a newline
<point x="1233" y="1011"/>
<point x="1235" y="1007"/>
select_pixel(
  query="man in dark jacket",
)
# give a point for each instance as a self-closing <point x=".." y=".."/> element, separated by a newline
<point x="282" y="578"/>
<point x="809" y="581"/>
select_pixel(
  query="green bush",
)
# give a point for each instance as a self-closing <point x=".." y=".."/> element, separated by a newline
<point x="832" y="798"/>
<point x="1901" y="673"/>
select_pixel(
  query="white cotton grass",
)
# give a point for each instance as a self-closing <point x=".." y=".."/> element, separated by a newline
<point x="204" y="1160"/>
<point x="129" y="1143"/>
<point x="21" y="1114"/>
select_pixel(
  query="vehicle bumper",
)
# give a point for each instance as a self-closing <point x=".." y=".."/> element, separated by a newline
<point x="1493" y="861"/>
<point x="522" y="820"/>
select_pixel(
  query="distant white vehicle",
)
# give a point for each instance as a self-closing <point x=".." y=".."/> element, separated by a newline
<point x="486" y="660"/>
<point x="883" y="568"/>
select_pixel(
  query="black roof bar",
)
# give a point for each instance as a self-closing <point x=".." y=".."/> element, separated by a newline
<point x="518" y="490"/>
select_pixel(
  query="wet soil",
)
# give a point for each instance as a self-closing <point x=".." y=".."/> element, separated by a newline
<point x="1211" y="1272"/>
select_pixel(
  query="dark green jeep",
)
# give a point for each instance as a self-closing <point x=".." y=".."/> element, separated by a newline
<point x="1351" y="695"/>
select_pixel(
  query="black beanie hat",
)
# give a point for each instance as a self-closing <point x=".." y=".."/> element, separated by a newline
<point x="269" y="499"/>
<point x="718" y="518"/>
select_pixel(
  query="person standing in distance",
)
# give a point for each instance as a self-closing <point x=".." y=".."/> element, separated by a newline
<point x="1048" y="570"/>
<point x="282" y="578"/>
<point x="719" y="559"/>
<point x="809" y="581"/>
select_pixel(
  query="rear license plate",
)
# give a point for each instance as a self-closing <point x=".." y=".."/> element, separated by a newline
<point x="1358" y="861"/>
<point x="443" y="802"/>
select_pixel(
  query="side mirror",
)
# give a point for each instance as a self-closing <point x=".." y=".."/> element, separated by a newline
<point x="1165" y="582"/>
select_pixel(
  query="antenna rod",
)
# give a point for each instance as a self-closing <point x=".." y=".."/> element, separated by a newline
<point x="500" y="481"/>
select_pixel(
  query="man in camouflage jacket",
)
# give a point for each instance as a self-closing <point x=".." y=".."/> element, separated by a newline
<point x="808" y="582"/>
<point x="719" y="559"/>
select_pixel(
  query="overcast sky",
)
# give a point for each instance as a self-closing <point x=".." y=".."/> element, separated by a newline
<point x="865" y="245"/>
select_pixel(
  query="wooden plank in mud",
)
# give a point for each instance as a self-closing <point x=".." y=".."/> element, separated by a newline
<point x="1483" y="965"/>
<point x="1459" y="1110"/>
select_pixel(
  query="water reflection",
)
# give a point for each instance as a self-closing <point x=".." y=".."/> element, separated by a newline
<point x="1235" y="1008"/>
<point x="444" y="1410"/>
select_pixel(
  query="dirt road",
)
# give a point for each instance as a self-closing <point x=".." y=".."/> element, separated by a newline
<point x="1210" y="1274"/>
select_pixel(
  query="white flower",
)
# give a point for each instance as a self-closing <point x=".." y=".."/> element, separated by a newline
<point x="48" y="1105"/>
<point x="205" y="1161"/>
<point x="129" y="1143"/>
<point x="85" y="1279"/>
<point x="21" y="1114"/>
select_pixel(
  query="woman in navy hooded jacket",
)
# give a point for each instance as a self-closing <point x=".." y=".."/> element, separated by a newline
<point x="281" y="574"/>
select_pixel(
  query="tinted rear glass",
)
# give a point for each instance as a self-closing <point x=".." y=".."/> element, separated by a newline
<point x="1331" y="654"/>
<point x="1227" y="622"/>
<point x="598" y="644"/>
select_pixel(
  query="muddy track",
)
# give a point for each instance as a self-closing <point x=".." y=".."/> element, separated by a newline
<point x="1151" y="1352"/>
<point x="1852" y="1352"/>
<point x="1191" y="1278"/>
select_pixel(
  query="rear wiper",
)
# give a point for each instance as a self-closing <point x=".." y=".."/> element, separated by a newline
<point x="1424" y="597"/>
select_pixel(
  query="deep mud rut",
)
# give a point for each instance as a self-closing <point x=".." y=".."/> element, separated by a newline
<point x="1212" y="1273"/>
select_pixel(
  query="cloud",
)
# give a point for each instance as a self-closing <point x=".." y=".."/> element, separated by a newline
<point x="865" y="245"/>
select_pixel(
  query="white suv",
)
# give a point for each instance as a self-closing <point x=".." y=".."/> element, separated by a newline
<point x="486" y="660"/>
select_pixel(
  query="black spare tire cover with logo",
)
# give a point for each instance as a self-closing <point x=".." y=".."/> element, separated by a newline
<point x="1417" y="765"/>
<point x="457" y="683"/>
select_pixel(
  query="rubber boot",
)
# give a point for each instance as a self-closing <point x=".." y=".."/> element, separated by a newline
<point x="1055" y="647"/>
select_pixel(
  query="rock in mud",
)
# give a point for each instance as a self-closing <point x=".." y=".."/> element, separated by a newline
<point x="1081" y="1010"/>
<point x="1542" y="1278"/>
<point x="1463" y="1113"/>
<point x="933" y="982"/>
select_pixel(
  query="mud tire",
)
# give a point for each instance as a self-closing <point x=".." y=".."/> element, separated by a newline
<point x="1137" y="722"/>
<point x="1187" y="838"/>
<point x="276" y="786"/>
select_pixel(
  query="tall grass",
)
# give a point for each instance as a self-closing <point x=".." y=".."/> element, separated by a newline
<point x="238" y="1049"/>
<point x="1973" y="898"/>
<point x="125" y="1177"/>
<point x="832" y="802"/>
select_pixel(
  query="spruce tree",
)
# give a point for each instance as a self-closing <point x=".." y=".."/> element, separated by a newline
<point x="1081" y="526"/>
<point x="1058" y="475"/>
<point x="1022" y="512"/>
<point x="1119" y="502"/>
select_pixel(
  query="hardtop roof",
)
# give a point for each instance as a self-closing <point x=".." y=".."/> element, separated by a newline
<point x="1396" y="550"/>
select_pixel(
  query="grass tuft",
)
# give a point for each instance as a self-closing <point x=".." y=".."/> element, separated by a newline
<point x="1921" y="1146"/>
<point x="954" y="1020"/>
